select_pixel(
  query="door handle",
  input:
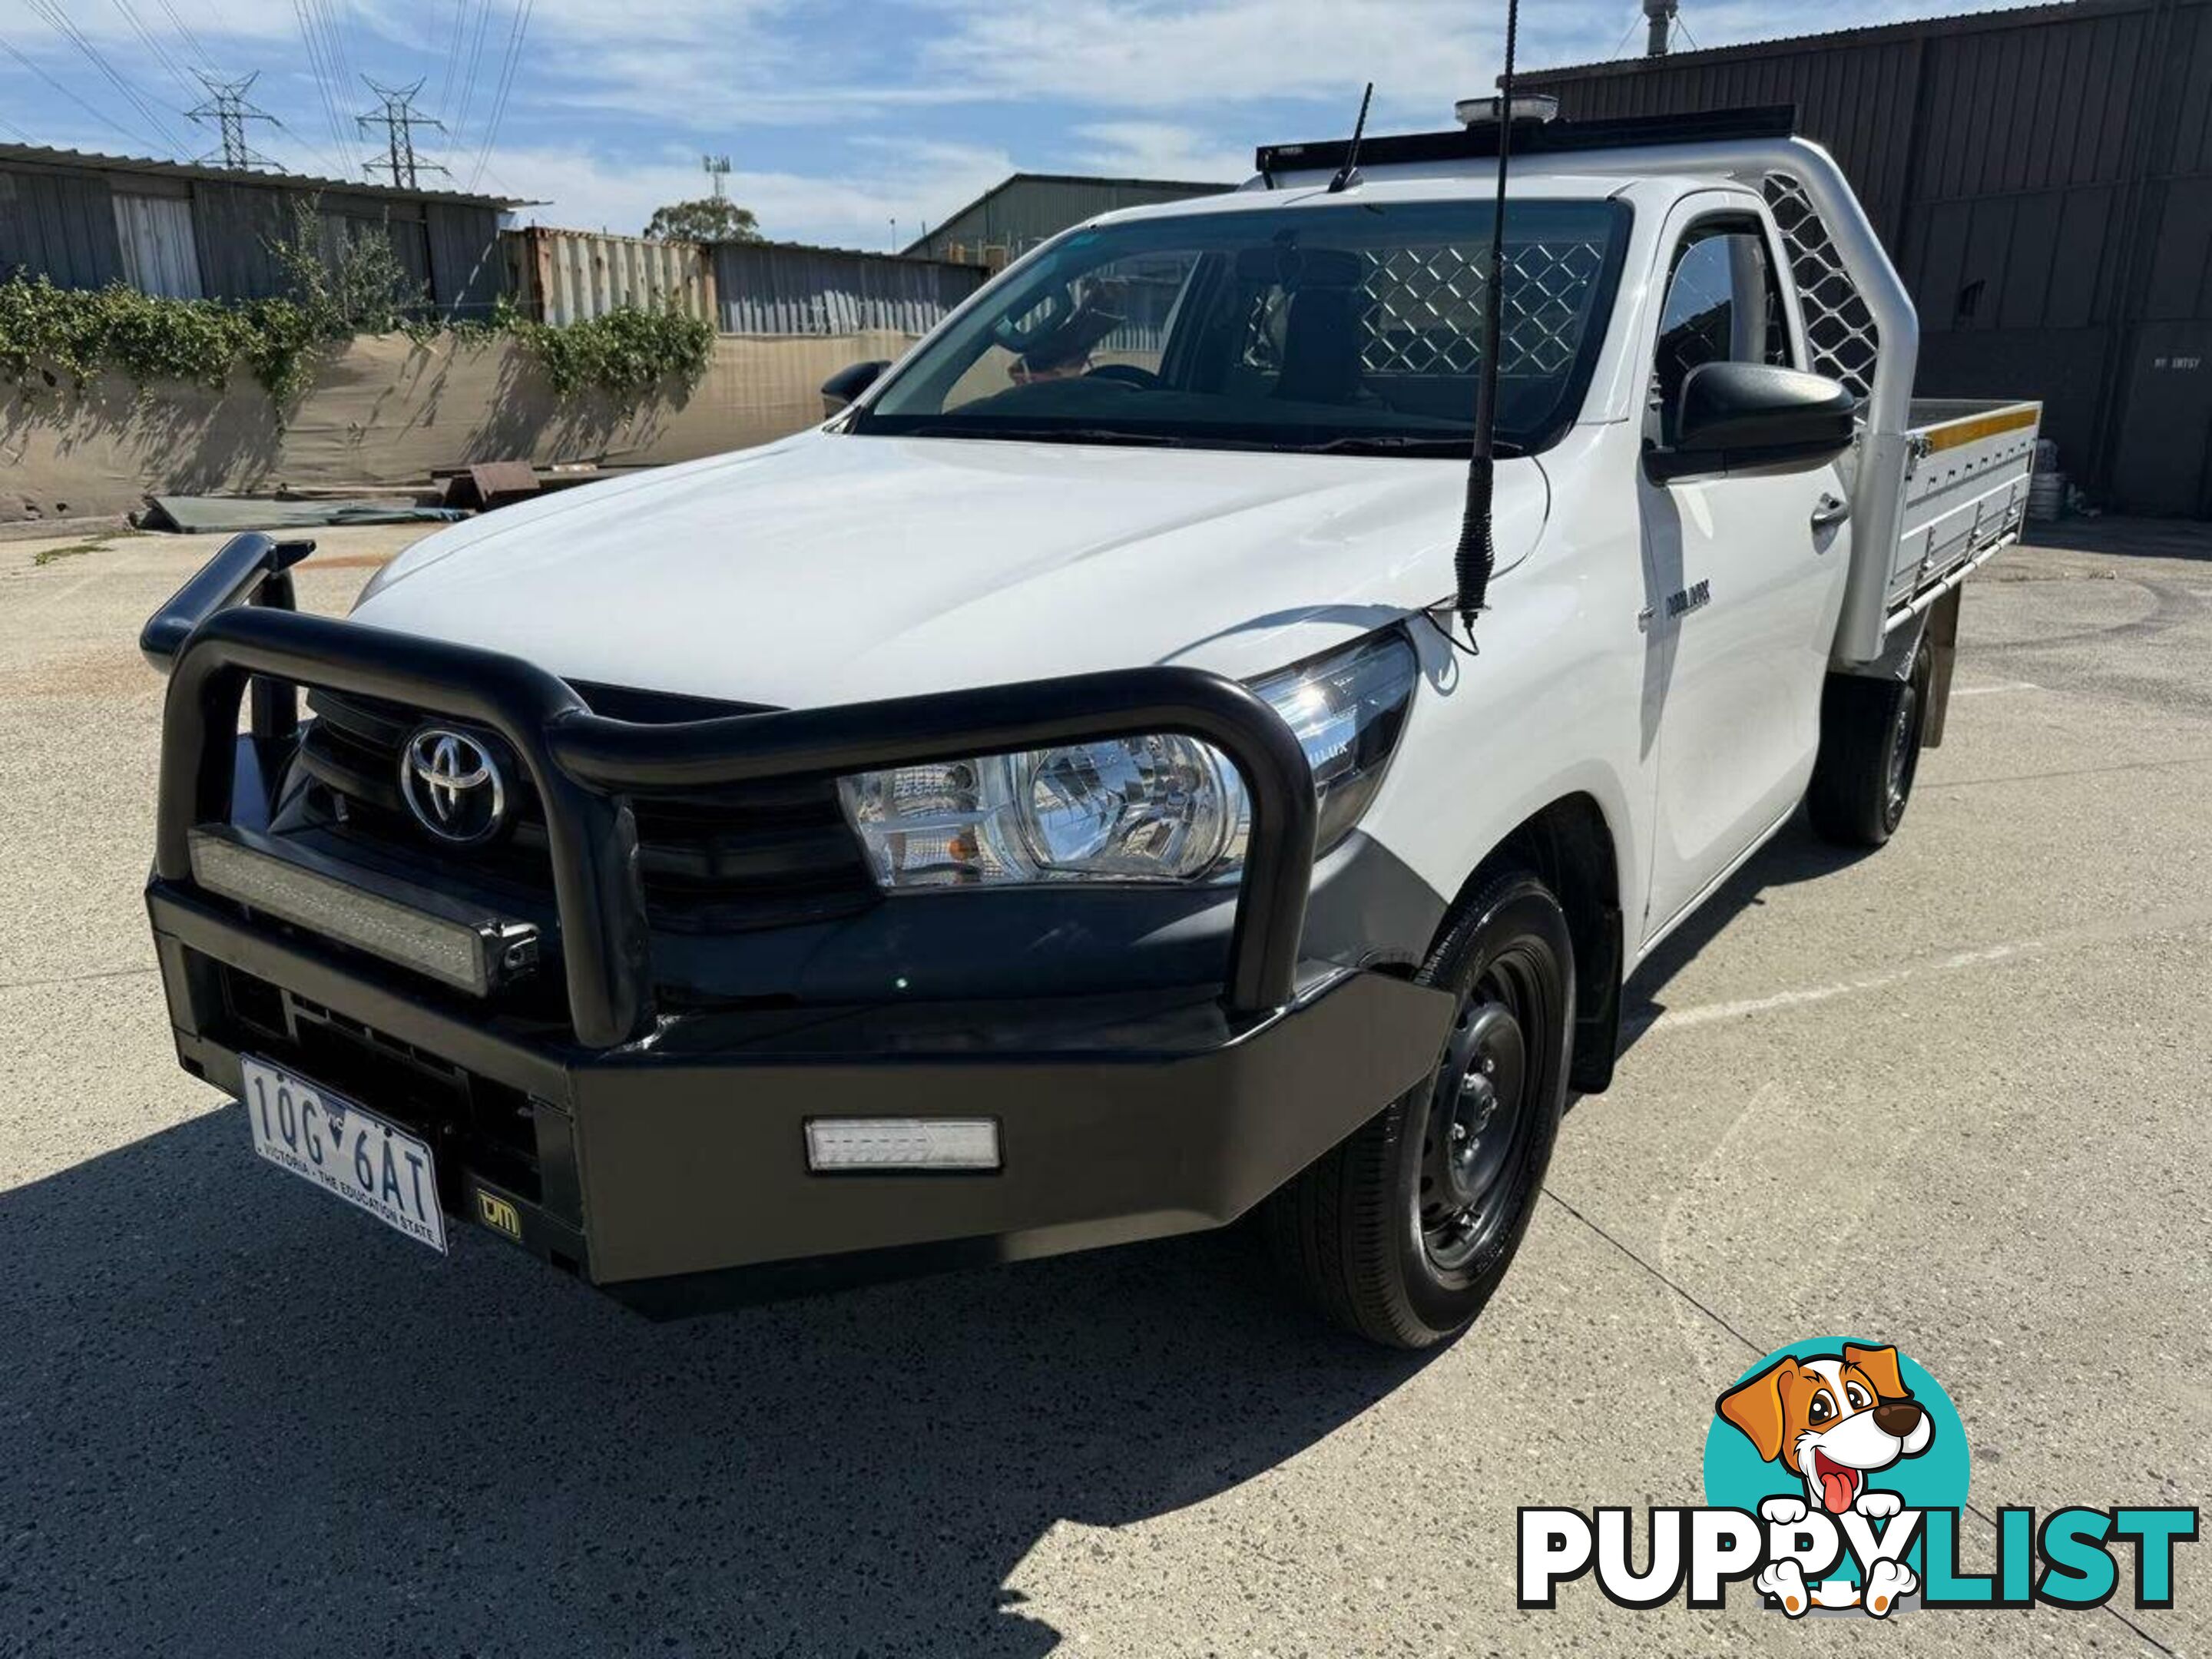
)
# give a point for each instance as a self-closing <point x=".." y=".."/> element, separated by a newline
<point x="1830" y="511"/>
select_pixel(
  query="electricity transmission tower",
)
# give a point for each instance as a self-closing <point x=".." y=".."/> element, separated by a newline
<point x="399" y="120"/>
<point x="718" y="170"/>
<point x="228" y="109"/>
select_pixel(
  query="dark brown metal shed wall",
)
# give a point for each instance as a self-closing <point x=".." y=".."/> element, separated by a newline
<point x="59" y="225"/>
<point x="59" y="222"/>
<point x="2044" y="179"/>
<point x="1858" y="100"/>
<point x="234" y="225"/>
<point x="468" y="267"/>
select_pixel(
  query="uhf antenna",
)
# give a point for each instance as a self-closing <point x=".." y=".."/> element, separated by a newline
<point x="1351" y="150"/>
<point x="1476" y="554"/>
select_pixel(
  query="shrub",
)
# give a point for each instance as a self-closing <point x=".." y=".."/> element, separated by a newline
<point x="628" y="355"/>
<point x="49" y="333"/>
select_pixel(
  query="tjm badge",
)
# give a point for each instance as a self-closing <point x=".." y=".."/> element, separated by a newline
<point x="1835" y="1474"/>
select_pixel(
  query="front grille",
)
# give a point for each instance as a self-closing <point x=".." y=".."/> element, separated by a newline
<point x="729" y="860"/>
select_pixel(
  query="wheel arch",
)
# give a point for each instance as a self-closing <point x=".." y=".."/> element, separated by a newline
<point x="1570" y="845"/>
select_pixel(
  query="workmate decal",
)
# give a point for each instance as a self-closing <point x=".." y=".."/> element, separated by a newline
<point x="1835" y="1478"/>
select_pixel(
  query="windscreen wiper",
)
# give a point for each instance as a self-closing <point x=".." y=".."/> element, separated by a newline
<point x="1085" y="434"/>
<point x="1399" y="443"/>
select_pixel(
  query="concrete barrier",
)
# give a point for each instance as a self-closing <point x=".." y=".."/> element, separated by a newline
<point x="382" y="413"/>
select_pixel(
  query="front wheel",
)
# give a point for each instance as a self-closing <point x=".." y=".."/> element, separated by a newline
<point x="1402" y="1232"/>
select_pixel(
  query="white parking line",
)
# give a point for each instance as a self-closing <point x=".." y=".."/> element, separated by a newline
<point x="48" y="601"/>
<point x="2101" y="933"/>
<point x="1986" y="690"/>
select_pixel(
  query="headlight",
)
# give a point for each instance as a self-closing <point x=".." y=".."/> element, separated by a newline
<point x="1156" y="808"/>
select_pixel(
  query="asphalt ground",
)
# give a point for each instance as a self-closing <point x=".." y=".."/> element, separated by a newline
<point x="1950" y="1096"/>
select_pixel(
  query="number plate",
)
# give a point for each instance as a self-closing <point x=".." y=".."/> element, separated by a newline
<point x="324" y="1138"/>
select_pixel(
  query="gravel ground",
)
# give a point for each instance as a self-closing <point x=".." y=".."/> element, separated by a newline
<point x="1950" y="1094"/>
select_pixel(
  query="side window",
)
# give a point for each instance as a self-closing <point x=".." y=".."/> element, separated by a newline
<point x="1723" y="306"/>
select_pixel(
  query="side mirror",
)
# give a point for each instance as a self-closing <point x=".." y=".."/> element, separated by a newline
<point x="848" y="383"/>
<point x="1731" y="417"/>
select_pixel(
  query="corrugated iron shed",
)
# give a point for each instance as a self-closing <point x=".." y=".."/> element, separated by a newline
<point x="1025" y="208"/>
<point x="86" y="161"/>
<point x="2044" y="178"/>
<point x="85" y="219"/>
<point x="775" y="288"/>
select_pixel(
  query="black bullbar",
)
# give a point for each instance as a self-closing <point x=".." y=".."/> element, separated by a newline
<point x="232" y="625"/>
<point x="672" y="1172"/>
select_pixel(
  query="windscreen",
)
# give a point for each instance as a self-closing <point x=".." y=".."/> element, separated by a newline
<point x="1348" y="326"/>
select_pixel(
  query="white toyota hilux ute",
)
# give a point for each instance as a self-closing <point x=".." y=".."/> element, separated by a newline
<point x="1073" y="795"/>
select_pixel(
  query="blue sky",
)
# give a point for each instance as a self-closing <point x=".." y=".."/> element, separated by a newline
<point x="838" y="117"/>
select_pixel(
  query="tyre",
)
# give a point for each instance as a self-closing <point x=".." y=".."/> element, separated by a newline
<point x="1401" y="1232"/>
<point x="1870" y="733"/>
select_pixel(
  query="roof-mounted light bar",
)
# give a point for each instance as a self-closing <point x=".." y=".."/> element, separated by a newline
<point x="1526" y="107"/>
<point x="1530" y="138"/>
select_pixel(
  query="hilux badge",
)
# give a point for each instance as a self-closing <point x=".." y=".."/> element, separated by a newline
<point x="453" y="784"/>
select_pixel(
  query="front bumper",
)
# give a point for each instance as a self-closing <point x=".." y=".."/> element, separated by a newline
<point x="677" y="1177"/>
<point x="660" y="1153"/>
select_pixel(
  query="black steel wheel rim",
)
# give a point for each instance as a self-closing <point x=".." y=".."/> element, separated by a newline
<point x="1903" y="750"/>
<point x="1479" y="1112"/>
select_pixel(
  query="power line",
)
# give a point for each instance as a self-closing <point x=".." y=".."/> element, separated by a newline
<point x="399" y="120"/>
<point x="498" y="180"/>
<point x="444" y="103"/>
<point x="322" y="73"/>
<point x="138" y="138"/>
<point x="227" y="107"/>
<point x="338" y="26"/>
<point x="160" y="53"/>
<point x="69" y="32"/>
<point x="191" y="41"/>
<point x="317" y="23"/>
<point x="230" y="35"/>
<point x="469" y="73"/>
<point x="332" y="167"/>
<point x="506" y="85"/>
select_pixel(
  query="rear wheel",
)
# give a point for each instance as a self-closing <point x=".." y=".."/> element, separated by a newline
<point x="1870" y="734"/>
<point x="1402" y="1232"/>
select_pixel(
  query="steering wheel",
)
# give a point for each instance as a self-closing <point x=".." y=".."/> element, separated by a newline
<point x="1128" y="375"/>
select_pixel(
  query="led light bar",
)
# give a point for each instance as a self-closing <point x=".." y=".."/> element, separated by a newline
<point x="428" y="931"/>
<point x="1526" y="107"/>
<point x="880" y="1144"/>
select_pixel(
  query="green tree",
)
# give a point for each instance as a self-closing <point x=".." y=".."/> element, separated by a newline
<point x="709" y="219"/>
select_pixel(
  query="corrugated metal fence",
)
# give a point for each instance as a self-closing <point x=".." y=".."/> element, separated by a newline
<point x="741" y="288"/>
<point x="569" y="276"/>
<point x="767" y="287"/>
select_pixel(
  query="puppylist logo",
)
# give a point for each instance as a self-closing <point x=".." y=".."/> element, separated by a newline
<point x="1835" y="1476"/>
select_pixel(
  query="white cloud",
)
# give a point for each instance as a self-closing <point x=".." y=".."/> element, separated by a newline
<point x="1158" y="149"/>
<point x="1148" y="55"/>
<point x="844" y="113"/>
<point x="853" y="207"/>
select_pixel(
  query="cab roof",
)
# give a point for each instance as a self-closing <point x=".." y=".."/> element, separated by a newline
<point x="1471" y="185"/>
<point x="1478" y="142"/>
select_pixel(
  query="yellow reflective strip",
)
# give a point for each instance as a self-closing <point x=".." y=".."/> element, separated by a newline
<point x="1951" y="436"/>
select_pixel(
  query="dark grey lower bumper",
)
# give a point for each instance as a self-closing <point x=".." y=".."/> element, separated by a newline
<point x="674" y="1172"/>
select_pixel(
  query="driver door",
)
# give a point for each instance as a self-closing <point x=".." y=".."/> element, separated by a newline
<point x="1745" y="572"/>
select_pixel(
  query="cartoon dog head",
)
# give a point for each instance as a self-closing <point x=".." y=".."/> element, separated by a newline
<point x="1832" y="1419"/>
